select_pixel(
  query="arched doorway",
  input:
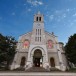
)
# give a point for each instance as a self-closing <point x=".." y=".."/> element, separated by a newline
<point x="52" y="62"/>
<point x="37" y="58"/>
<point x="23" y="59"/>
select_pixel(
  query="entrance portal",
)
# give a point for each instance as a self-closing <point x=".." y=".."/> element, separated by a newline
<point x="37" y="58"/>
<point x="52" y="62"/>
<point x="23" y="59"/>
<point x="37" y="62"/>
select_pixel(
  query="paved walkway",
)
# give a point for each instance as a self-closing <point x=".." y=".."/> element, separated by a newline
<point x="37" y="74"/>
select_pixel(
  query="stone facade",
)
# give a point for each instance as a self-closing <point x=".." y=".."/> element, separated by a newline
<point x="39" y="48"/>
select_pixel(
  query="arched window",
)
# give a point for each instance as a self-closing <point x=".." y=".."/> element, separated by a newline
<point x="52" y="62"/>
<point x="36" y="18"/>
<point x="40" y="31"/>
<point x="39" y="18"/>
<point x="40" y="39"/>
<point x="36" y="31"/>
<point x="23" y="60"/>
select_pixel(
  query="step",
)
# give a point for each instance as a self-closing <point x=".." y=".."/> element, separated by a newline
<point x="36" y="69"/>
<point x="54" y="70"/>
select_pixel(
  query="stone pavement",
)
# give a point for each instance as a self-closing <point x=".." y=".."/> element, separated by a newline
<point x="37" y="74"/>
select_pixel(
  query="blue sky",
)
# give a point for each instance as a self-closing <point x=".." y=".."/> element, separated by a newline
<point x="16" y="17"/>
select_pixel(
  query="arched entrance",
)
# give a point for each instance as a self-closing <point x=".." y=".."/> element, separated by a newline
<point x="23" y="59"/>
<point x="52" y="62"/>
<point x="37" y="58"/>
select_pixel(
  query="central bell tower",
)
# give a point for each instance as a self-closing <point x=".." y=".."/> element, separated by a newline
<point x="38" y="35"/>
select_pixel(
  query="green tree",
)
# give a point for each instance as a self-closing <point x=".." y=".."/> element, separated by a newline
<point x="70" y="49"/>
<point x="7" y="49"/>
<point x="2" y="49"/>
<point x="10" y="46"/>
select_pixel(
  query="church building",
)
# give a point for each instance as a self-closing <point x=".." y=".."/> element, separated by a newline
<point x="39" y="48"/>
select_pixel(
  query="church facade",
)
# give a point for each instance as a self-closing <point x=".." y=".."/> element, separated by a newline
<point x="39" y="48"/>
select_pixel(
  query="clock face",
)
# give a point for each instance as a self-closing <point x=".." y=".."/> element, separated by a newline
<point x="38" y="24"/>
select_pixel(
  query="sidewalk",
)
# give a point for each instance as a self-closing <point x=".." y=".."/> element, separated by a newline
<point x="37" y="74"/>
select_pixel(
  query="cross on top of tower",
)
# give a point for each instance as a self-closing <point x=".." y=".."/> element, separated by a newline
<point x="38" y="12"/>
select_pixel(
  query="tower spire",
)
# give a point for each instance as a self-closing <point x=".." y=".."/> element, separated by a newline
<point x="38" y="12"/>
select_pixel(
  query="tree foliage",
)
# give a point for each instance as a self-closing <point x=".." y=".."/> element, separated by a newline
<point x="7" y="49"/>
<point x="70" y="49"/>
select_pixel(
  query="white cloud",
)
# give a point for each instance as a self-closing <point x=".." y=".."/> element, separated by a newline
<point x="51" y="17"/>
<point x="13" y="13"/>
<point x="58" y="12"/>
<point x="72" y="24"/>
<point x="68" y="10"/>
<point x="64" y="15"/>
<point x="35" y="2"/>
<point x="24" y="4"/>
<point x="29" y="9"/>
<point x="54" y="26"/>
<point x="40" y="3"/>
<point x="58" y="20"/>
<point x="74" y="20"/>
<point x="74" y="14"/>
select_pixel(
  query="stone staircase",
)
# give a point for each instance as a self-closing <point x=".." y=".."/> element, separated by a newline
<point x="54" y="70"/>
<point x="36" y="69"/>
<point x="19" y="69"/>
